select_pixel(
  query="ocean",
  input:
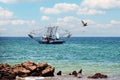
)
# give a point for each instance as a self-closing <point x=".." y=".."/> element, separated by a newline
<point x="92" y="54"/>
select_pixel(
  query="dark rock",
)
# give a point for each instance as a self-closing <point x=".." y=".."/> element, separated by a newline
<point x="4" y="65"/>
<point x="80" y="71"/>
<point x="6" y="72"/>
<point x="59" y="73"/>
<point x="75" y="73"/>
<point x="70" y="74"/>
<point x="80" y="74"/>
<point x="35" y="73"/>
<point x="79" y="77"/>
<point x="98" y="75"/>
<point x="3" y="78"/>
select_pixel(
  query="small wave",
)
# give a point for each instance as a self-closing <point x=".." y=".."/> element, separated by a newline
<point x="90" y="47"/>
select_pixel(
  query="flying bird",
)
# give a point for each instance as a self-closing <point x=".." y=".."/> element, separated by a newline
<point x="84" y="23"/>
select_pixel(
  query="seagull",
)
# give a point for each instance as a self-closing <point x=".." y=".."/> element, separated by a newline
<point x="84" y="23"/>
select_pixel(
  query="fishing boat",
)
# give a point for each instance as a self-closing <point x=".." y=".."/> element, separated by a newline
<point x="51" y="36"/>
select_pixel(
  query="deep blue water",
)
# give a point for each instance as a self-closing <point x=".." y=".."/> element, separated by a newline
<point x="93" y="54"/>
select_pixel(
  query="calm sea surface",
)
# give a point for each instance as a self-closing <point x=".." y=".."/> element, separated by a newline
<point x="92" y="54"/>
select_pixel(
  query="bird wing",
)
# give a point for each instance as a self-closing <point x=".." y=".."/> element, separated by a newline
<point x="82" y="21"/>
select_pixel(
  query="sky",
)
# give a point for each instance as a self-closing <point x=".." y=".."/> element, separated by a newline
<point x="20" y="17"/>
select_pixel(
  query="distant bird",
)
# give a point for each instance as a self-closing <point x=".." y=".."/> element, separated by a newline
<point x="84" y="23"/>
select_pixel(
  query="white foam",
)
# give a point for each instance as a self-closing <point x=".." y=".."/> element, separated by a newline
<point x="30" y="78"/>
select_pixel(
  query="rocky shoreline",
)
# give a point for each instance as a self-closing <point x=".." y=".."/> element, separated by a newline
<point x="39" y="71"/>
<point x="25" y="69"/>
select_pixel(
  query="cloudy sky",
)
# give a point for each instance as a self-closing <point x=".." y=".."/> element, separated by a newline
<point x="19" y="17"/>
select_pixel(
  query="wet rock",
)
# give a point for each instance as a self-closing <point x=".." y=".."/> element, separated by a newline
<point x="21" y="70"/>
<point x="25" y="69"/>
<point x="48" y="71"/>
<point x="42" y="65"/>
<point x="39" y="68"/>
<point x="6" y="72"/>
<point x="59" y="73"/>
<point x="98" y="75"/>
<point x="75" y="73"/>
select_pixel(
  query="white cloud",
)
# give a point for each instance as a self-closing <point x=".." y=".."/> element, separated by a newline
<point x="44" y="18"/>
<point x="21" y="22"/>
<point x="15" y="1"/>
<point x="4" y="22"/>
<point x="6" y="18"/>
<point x="87" y="7"/>
<point x="59" y="8"/>
<point x="72" y="19"/>
<point x="8" y="1"/>
<point x="70" y="8"/>
<point x="16" y="22"/>
<point x="114" y="22"/>
<point x="68" y="19"/>
<point x="74" y="25"/>
<point x="2" y="29"/>
<point x="49" y="10"/>
<point x="70" y="23"/>
<point x="104" y="4"/>
<point x="86" y="11"/>
<point x="33" y="22"/>
<point x="66" y="7"/>
<point x="4" y="13"/>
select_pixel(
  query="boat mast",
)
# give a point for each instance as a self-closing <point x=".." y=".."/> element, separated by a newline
<point x="56" y="27"/>
<point x="51" y="32"/>
<point x="55" y="31"/>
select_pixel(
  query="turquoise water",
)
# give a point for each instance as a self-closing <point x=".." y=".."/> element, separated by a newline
<point x="92" y="54"/>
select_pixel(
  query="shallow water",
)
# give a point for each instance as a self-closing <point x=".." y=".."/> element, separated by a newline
<point x="92" y="54"/>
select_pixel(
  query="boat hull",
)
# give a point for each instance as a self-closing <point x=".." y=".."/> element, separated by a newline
<point x="52" y="42"/>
